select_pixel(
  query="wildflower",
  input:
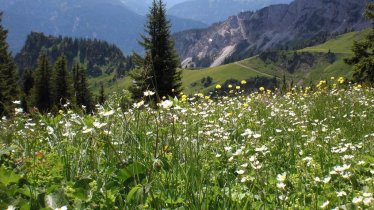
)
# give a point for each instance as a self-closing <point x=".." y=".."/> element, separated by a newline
<point x="321" y="84"/>
<point x="11" y="208"/>
<point x="108" y="113"/>
<point x="17" y="102"/>
<point x="166" y="104"/>
<point x="282" y="177"/>
<point x="87" y="130"/>
<point x="341" y="169"/>
<point x="218" y="87"/>
<point x="227" y="149"/>
<point x="50" y="130"/>
<point x="238" y="152"/>
<point x="341" y="80"/>
<point x="281" y="185"/>
<point x="240" y="172"/>
<point x="325" y="204"/>
<point x="230" y="86"/>
<point x="256" y="135"/>
<point x="261" y="149"/>
<point x="243" y="82"/>
<point x="361" y="163"/>
<point x="238" y="87"/>
<point x="357" y="200"/>
<point x="368" y="201"/>
<point x="341" y="194"/>
<point x="62" y="208"/>
<point x="262" y="89"/>
<point x="99" y="125"/>
<point x="247" y="132"/>
<point x="367" y="194"/>
<point x="18" y="110"/>
<point x="327" y="179"/>
<point x="252" y="158"/>
<point x="149" y="93"/>
<point x="357" y="87"/>
<point x="282" y="197"/>
<point x="138" y="105"/>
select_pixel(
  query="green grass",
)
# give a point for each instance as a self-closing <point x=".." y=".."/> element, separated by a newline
<point x="303" y="150"/>
<point x="340" y="44"/>
<point x="109" y="87"/>
<point x="219" y="75"/>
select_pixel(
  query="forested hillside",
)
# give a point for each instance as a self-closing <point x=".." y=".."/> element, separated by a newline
<point x="98" y="57"/>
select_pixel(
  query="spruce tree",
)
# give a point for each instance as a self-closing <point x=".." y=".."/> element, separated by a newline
<point x="27" y="85"/>
<point x="82" y="94"/>
<point x="363" y="59"/>
<point x="27" y="82"/>
<point x="102" y="94"/>
<point x="8" y="75"/>
<point x="142" y="79"/>
<point x="62" y="89"/>
<point x="160" y="72"/>
<point x="41" y="93"/>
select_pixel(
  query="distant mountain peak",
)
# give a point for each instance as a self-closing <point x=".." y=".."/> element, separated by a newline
<point x="210" y="11"/>
<point x="109" y="20"/>
<point x="249" y="33"/>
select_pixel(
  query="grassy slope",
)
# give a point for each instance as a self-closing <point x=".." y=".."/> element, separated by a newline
<point x="341" y="46"/>
<point x="118" y="86"/>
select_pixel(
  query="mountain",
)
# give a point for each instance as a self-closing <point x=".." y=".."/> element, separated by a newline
<point x="108" y="20"/>
<point x="211" y="11"/>
<point x="98" y="57"/>
<point x="249" y="33"/>
<point x="306" y="66"/>
<point x="301" y="67"/>
<point x="142" y="6"/>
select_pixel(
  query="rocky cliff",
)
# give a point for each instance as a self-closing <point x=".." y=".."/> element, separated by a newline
<point x="250" y="33"/>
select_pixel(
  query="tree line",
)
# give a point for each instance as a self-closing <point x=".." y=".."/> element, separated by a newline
<point x="98" y="56"/>
<point x="51" y="88"/>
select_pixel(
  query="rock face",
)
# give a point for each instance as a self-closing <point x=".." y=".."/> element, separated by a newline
<point x="249" y="33"/>
<point x="211" y="11"/>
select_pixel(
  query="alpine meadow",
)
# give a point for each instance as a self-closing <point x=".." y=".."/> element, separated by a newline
<point x="267" y="109"/>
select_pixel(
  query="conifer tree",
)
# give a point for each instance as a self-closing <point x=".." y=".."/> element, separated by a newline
<point x="82" y="94"/>
<point x="363" y="59"/>
<point x="142" y="79"/>
<point x="62" y="89"/>
<point x="27" y="85"/>
<point x="102" y="94"/>
<point x="160" y="64"/>
<point x="8" y="75"/>
<point x="27" y="82"/>
<point x="41" y="93"/>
